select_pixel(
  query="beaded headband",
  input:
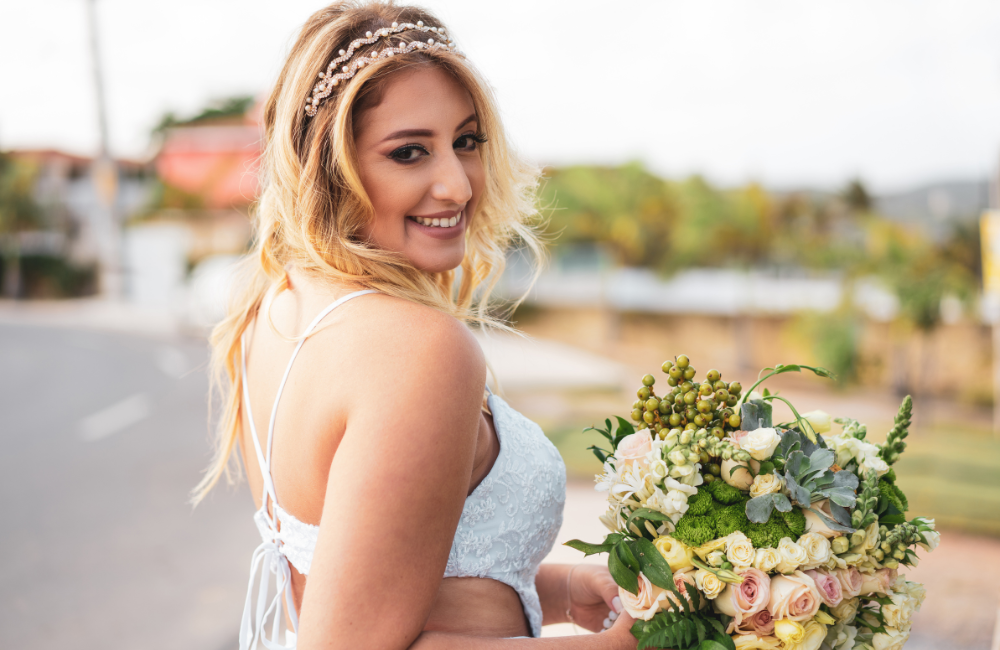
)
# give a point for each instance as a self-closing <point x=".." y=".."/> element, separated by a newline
<point x="329" y="80"/>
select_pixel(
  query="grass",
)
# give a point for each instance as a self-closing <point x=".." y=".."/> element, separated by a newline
<point x="949" y="474"/>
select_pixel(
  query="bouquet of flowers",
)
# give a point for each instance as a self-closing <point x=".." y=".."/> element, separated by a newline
<point x="729" y="531"/>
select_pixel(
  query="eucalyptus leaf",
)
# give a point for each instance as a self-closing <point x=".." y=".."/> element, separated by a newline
<point x="841" y="496"/>
<point x="821" y="459"/>
<point x="840" y="513"/>
<point x="830" y="523"/>
<point x="781" y="502"/>
<point x="793" y="463"/>
<point x="845" y="479"/>
<point x="759" y="509"/>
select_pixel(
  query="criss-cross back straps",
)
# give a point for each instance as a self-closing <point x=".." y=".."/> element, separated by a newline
<point x="264" y="460"/>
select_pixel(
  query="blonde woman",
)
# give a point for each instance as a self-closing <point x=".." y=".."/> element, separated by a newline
<point x="400" y="505"/>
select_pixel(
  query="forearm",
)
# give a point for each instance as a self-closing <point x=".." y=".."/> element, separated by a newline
<point x="610" y="640"/>
<point x="550" y="582"/>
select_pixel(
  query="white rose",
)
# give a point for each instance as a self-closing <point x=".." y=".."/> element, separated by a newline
<point x="893" y="639"/>
<point x="766" y="484"/>
<point x="848" y="448"/>
<point x="791" y="555"/>
<point x="739" y="550"/>
<point x="841" y="636"/>
<point x="766" y="559"/>
<point x="761" y="443"/>
<point x="873" y="462"/>
<point x="708" y="583"/>
<point x="658" y="469"/>
<point x="817" y="549"/>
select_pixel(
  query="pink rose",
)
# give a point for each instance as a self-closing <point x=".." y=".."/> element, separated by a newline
<point x="794" y="597"/>
<point x="828" y="587"/>
<point x="745" y="599"/>
<point x="878" y="583"/>
<point x="682" y="579"/>
<point x="761" y="624"/>
<point x="633" y="448"/>
<point x="850" y="581"/>
<point x="644" y="604"/>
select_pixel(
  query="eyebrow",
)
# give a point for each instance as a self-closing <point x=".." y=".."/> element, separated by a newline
<point x="422" y="133"/>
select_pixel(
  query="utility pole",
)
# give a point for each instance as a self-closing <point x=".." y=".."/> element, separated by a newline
<point x="104" y="174"/>
<point x="990" y="237"/>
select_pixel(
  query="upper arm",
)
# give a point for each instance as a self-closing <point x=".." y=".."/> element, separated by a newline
<point x="397" y="483"/>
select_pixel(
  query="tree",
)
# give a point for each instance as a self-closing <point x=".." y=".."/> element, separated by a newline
<point x="18" y="212"/>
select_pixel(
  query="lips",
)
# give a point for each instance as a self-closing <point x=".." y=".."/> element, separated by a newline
<point x="441" y="220"/>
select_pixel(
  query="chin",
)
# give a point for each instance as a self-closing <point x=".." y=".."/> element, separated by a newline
<point x="438" y="263"/>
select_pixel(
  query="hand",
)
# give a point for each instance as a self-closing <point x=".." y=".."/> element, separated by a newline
<point x="593" y="597"/>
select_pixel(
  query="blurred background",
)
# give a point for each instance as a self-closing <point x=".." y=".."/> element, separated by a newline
<point x="745" y="183"/>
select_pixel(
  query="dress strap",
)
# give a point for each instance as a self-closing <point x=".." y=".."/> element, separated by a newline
<point x="269" y="557"/>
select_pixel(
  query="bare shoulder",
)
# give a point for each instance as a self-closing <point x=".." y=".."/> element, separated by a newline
<point x="411" y="340"/>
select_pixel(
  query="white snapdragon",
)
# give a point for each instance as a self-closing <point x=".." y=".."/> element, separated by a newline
<point x="672" y="500"/>
<point x="865" y="454"/>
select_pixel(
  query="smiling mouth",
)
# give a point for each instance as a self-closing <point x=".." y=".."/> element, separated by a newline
<point x="440" y="223"/>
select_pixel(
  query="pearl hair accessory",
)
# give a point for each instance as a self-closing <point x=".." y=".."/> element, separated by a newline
<point x="329" y="79"/>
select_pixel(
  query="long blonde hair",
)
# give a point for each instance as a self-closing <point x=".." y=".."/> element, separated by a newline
<point x="313" y="207"/>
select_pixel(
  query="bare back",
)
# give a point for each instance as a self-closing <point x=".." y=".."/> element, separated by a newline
<point x="347" y="370"/>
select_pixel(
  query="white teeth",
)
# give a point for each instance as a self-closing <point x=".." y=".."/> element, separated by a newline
<point x="440" y="223"/>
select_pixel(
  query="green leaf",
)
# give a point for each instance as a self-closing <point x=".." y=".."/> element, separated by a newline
<point x="781" y="502"/>
<point x="646" y="513"/>
<point x="759" y="509"/>
<point x="652" y="564"/>
<point x="710" y="644"/>
<point x="627" y="556"/>
<point x="766" y="467"/>
<point x="623" y="576"/>
<point x="613" y="538"/>
<point x="600" y="453"/>
<point x="588" y="549"/>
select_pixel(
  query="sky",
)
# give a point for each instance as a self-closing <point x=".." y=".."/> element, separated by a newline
<point x="788" y="93"/>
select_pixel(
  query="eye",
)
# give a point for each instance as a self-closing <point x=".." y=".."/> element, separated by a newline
<point x="469" y="141"/>
<point x="408" y="153"/>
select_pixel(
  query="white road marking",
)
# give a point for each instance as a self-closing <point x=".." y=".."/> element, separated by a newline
<point x="172" y="362"/>
<point x="115" y="418"/>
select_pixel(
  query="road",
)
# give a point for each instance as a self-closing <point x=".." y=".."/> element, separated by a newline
<point x="103" y="435"/>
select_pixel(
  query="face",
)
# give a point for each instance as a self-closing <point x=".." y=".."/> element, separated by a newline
<point x="419" y="164"/>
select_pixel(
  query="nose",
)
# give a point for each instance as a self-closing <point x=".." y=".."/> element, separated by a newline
<point x="451" y="182"/>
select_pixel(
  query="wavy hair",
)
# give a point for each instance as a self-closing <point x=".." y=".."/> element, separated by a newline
<point x="313" y="208"/>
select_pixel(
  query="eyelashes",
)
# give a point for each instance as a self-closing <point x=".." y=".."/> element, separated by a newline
<point x="409" y="153"/>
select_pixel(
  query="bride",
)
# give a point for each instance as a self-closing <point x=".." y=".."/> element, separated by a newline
<point x="400" y="503"/>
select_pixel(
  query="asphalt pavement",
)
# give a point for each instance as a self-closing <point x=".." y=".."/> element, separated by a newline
<point x="103" y="436"/>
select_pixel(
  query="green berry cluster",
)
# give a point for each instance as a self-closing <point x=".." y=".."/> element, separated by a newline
<point x="894" y="444"/>
<point x="688" y="404"/>
<point x="893" y="548"/>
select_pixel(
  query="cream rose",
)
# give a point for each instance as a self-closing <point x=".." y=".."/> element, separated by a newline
<point x="817" y="549"/>
<point x="813" y="635"/>
<point x="850" y="580"/>
<point x="877" y="583"/>
<point x="794" y="597"/>
<point x="828" y="587"/>
<point x="761" y="443"/>
<point x="708" y="583"/>
<point x="893" y="639"/>
<point x="739" y="550"/>
<point x="790" y="632"/>
<point x="816" y="525"/>
<point x="741" y="479"/>
<point x="633" y="448"/>
<point x="791" y="555"/>
<point x="718" y="544"/>
<point x="900" y="611"/>
<point x="755" y="642"/>
<point x="677" y="554"/>
<point x="841" y="636"/>
<point x="820" y="421"/>
<point x="766" y="559"/>
<point x="682" y="579"/>
<point x="766" y="484"/>
<point x="846" y="610"/>
<point x="646" y="603"/>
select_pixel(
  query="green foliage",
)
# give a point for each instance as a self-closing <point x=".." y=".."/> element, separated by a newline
<point x="695" y="531"/>
<point x="852" y="427"/>
<point x="222" y="109"/>
<point x="683" y="630"/>
<point x="894" y="444"/>
<point x="625" y="428"/>
<point x="732" y="518"/>
<point x="834" y="339"/>
<point x="18" y="208"/>
<point x="795" y="519"/>
<point x="701" y="503"/>
<point x="894" y="495"/>
<point x="725" y="493"/>
<point x="769" y="534"/>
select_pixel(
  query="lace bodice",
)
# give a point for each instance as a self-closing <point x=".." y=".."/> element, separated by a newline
<point x="508" y="524"/>
<point x="510" y="521"/>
